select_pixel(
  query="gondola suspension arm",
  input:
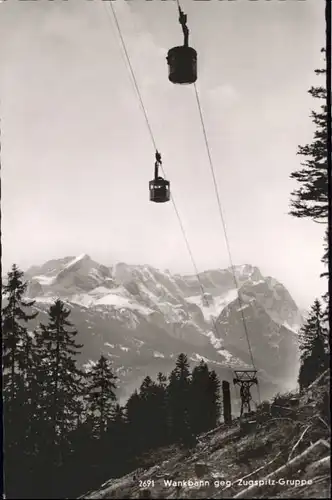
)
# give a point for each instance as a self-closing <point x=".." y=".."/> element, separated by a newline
<point x="185" y="29"/>
<point x="156" y="165"/>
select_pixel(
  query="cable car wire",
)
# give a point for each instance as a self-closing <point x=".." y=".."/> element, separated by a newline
<point x="223" y="221"/>
<point x="214" y="324"/>
<point x="153" y="139"/>
<point x="132" y="73"/>
<point x="222" y="218"/>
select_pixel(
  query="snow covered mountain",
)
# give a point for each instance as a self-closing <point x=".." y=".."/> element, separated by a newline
<point x="142" y="318"/>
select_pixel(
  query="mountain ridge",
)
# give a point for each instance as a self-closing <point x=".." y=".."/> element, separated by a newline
<point x="149" y="316"/>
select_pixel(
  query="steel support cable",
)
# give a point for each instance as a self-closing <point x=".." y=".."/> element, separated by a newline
<point x="214" y="322"/>
<point x="224" y="226"/>
<point x="222" y="218"/>
<point x="151" y="134"/>
<point x="132" y="72"/>
<point x="197" y="274"/>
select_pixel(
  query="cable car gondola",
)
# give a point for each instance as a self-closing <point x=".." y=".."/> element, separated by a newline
<point x="159" y="187"/>
<point x="182" y="60"/>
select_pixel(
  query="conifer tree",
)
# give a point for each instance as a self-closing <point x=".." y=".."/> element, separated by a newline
<point x="79" y="464"/>
<point x="16" y="339"/>
<point x="313" y="346"/>
<point x="101" y="395"/>
<point x="60" y="383"/>
<point x="200" y="398"/>
<point x="310" y="200"/>
<point x="118" y="442"/>
<point x="162" y="380"/>
<point x="154" y="423"/>
<point x="62" y="377"/>
<point x="132" y="406"/>
<point x="118" y="416"/>
<point x="214" y="398"/>
<point x="162" y="409"/>
<point x="17" y="359"/>
<point x="205" y="398"/>
<point x="99" y="401"/>
<point x="145" y="414"/>
<point x="178" y="392"/>
<point x="134" y="416"/>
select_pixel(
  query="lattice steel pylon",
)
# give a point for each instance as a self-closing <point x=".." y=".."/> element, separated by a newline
<point x="245" y="379"/>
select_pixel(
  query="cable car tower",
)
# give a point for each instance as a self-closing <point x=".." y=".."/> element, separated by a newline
<point x="159" y="187"/>
<point x="182" y="60"/>
<point x="245" y="379"/>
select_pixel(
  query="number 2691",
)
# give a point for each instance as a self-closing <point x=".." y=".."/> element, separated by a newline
<point x="146" y="484"/>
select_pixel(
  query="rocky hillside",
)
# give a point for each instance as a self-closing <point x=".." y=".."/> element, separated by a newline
<point x="142" y="318"/>
<point x="282" y="451"/>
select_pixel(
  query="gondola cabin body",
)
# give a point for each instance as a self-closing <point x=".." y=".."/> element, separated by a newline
<point x="182" y="60"/>
<point x="159" y="187"/>
<point x="182" y="65"/>
<point x="159" y="190"/>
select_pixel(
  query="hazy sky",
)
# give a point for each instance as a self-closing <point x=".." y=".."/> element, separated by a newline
<point x="77" y="156"/>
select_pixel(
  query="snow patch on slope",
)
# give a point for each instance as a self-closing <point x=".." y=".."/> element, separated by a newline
<point x="198" y="357"/>
<point x="109" y="345"/>
<point x="214" y="309"/>
<point x="46" y="300"/>
<point x="295" y="328"/>
<point x="118" y="299"/>
<point x="82" y="299"/>
<point x="217" y="343"/>
<point x="231" y="360"/>
<point x="227" y="355"/>
<point x="157" y="354"/>
<point x="74" y="261"/>
<point x="243" y="307"/>
<point x="119" y="302"/>
<point x="102" y="290"/>
<point x="123" y="348"/>
<point x="44" y="280"/>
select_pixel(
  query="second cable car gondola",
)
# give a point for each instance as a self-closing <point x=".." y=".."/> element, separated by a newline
<point x="159" y="188"/>
<point x="182" y="60"/>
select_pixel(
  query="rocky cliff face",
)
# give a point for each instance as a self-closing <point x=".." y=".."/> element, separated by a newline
<point x="142" y="318"/>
